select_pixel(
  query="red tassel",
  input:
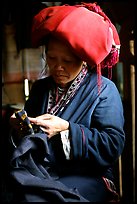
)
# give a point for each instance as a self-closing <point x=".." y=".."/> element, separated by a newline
<point x="110" y="61"/>
<point x="99" y="77"/>
<point x="110" y="73"/>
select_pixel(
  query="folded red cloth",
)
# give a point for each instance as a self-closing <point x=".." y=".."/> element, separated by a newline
<point x="89" y="34"/>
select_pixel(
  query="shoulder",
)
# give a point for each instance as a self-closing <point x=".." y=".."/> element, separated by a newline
<point x="41" y="83"/>
<point x="110" y="90"/>
<point x="105" y="85"/>
<point x="109" y="84"/>
<point x="102" y="80"/>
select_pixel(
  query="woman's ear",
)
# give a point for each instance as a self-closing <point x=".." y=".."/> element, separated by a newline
<point x="84" y="63"/>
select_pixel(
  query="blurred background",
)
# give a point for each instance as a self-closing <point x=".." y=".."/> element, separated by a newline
<point x="22" y="65"/>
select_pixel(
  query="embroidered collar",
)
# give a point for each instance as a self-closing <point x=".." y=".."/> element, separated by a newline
<point x="60" y="97"/>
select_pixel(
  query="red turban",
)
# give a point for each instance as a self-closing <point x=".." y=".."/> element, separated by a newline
<point x="85" y="28"/>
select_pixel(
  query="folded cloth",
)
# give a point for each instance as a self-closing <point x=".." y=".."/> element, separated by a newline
<point x="32" y="174"/>
<point x="85" y="28"/>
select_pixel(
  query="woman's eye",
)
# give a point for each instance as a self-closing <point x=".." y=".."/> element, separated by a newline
<point x="67" y="61"/>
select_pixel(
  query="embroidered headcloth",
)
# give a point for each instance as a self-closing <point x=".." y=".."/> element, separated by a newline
<point x="85" y="28"/>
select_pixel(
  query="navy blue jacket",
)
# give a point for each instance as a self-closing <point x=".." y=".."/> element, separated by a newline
<point x="96" y="120"/>
<point x="97" y="140"/>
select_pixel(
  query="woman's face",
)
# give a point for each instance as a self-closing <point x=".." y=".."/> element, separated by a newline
<point x="64" y="66"/>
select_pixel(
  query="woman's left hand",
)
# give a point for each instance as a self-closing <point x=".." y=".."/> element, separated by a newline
<point x="50" y="124"/>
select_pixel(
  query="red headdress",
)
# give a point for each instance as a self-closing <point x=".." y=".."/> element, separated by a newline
<point x="87" y="30"/>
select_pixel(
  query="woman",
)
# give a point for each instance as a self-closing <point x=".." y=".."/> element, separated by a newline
<point x="75" y="112"/>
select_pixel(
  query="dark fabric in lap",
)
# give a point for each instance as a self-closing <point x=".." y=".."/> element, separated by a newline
<point x="32" y="175"/>
<point x="92" y="188"/>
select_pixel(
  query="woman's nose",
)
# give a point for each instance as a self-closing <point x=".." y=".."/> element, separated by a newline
<point x="59" y="66"/>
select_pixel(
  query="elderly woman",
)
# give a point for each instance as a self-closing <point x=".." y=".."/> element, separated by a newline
<point x="75" y="112"/>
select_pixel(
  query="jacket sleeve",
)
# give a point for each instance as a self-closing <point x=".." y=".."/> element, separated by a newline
<point x="104" y="140"/>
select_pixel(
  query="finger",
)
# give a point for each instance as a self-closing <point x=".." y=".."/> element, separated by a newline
<point x="37" y="121"/>
<point x="13" y="115"/>
<point x="44" y="129"/>
<point x="34" y="121"/>
<point x="44" y="117"/>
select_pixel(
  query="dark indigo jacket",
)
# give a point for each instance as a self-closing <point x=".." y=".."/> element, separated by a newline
<point x="96" y="121"/>
<point x="96" y="129"/>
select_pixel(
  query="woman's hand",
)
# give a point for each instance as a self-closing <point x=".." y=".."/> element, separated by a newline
<point x="50" y="124"/>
